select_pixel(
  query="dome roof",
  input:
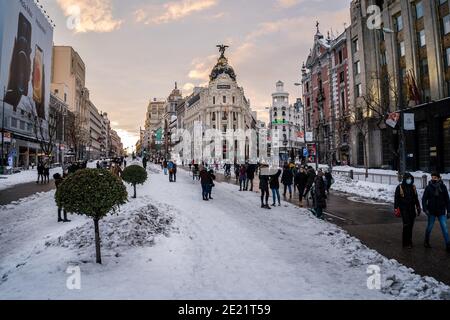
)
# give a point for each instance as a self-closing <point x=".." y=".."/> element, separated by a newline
<point x="221" y="67"/>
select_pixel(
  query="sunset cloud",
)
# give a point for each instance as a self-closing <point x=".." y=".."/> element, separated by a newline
<point x="171" y="11"/>
<point x="89" y="15"/>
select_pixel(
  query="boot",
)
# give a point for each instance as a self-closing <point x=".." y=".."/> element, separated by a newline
<point x="65" y="217"/>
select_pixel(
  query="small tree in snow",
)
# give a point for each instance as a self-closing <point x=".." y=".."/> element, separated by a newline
<point x="134" y="175"/>
<point x="94" y="193"/>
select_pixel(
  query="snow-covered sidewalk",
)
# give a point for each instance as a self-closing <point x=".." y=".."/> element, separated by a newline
<point x="9" y="181"/>
<point x="169" y="244"/>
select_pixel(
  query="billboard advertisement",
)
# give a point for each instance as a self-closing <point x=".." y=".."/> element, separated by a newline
<point x="25" y="56"/>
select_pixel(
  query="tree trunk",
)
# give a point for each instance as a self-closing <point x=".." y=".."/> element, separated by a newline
<point x="97" y="242"/>
<point x="366" y="159"/>
<point x="134" y="185"/>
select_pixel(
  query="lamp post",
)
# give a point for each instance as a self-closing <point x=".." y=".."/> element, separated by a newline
<point x="3" y="130"/>
<point x="402" y="142"/>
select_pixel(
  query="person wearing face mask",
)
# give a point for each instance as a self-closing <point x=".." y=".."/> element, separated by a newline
<point x="435" y="204"/>
<point x="407" y="206"/>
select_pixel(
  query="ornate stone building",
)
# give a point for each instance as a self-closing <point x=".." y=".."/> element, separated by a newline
<point x="221" y="105"/>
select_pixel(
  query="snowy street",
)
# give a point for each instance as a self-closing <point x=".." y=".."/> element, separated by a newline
<point x="227" y="248"/>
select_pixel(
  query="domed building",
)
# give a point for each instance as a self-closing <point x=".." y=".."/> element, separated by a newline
<point x="221" y="105"/>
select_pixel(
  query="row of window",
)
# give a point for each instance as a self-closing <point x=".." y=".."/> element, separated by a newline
<point x="22" y="125"/>
<point x="224" y="99"/>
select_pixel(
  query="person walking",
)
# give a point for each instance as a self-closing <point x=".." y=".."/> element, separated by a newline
<point x="164" y="165"/>
<point x="275" y="187"/>
<point x="264" y="179"/>
<point x="436" y="204"/>
<point x="46" y="172"/>
<point x="40" y="171"/>
<point x="174" y="172"/>
<point x="211" y="185"/>
<point x="407" y="206"/>
<point x="309" y="184"/>
<point x="58" y="181"/>
<point x="300" y="180"/>
<point x="237" y="170"/>
<point x="287" y="179"/>
<point x="242" y="177"/>
<point x="320" y="196"/>
<point x="251" y="170"/>
<point x="144" y="162"/>
<point x="329" y="180"/>
<point x="170" y="169"/>
<point x="205" y="182"/>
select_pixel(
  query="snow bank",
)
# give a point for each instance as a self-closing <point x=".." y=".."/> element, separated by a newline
<point x="137" y="229"/>
<point x="396" y="279"/>
<point x="8" y="181"/>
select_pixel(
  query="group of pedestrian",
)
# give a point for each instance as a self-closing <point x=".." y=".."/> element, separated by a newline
<point x="172" y="168"/>
<point x="207" y="179"/>
<point x="43" y="170"/>
<point x="435" y="204"/>
<point x="245" y="174"/>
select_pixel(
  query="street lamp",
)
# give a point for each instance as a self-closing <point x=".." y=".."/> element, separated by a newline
<point x="3" y="129"/>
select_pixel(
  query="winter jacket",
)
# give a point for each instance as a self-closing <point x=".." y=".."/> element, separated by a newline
<point x="287" y="177"/>
<point x="435" y="199"/>
<point x="264" y="182"/>
<point x="406" y="198"/>
<point x="311" y="177"/>
<point x="329" y="179"/>
<point x="301" y="179"/>
<point x="275" y="180"/>
<point x="251" y="171"/>
<point x="320" y="196"/>
<point x="204" y="177"/>
<point x="243" y="173"/>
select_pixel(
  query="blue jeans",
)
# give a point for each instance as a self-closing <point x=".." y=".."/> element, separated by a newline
<point x="165" y="171"/>
<point x="319" y="212"/>
<point x="205" y="191"/>
<point x="286" y="187"/>
<point x="443" y="222"/>
<point x="276" y="195"/>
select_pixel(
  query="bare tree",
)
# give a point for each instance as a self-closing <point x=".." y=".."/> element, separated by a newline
<point x="45" y="130"/>
<point x="76" y="134"/>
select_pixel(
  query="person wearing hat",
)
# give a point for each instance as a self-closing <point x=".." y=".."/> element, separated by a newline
<point x="407" y="206"/>
<point x="436" y="204"/>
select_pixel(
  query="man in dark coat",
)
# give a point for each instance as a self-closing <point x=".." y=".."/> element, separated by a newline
<point x="211" y="185"/>
<point x="264" y="187"/>
<point x="275" y="187"/>
<point x="251" y="169"/>
<point x="287" y="179"/>
<point x="58" y="181"/>
<point x="320" y="196"/>
<point x="407" y="204"/>
<point x="329" y="180"/>
<point x="311" y="178"/>
<point x="300" y="180"/>
<point x="436" y="204"/>
<point x="205" y="182"/>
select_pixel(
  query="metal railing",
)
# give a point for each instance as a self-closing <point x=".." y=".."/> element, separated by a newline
<point x="385" y="178"/>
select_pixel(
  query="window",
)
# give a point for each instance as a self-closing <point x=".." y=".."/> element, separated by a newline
<point x="419" y="10"/>
<point x="424" y="67"/>
<point x="355" y="45"/>
<point x="446" y="24"/>
<point x="234" y="100"/>
<point x="447" y="57"/>
<point x="341" y="57"/>
<point x="401" y="48"/>
<point x="383" y="59"/>
<point x="421" y="36"/>
<point x="357" y="67"/>
<point x="214" y="100"/>
<point x="14" y="122"/>
<point x="341" y="77"/>
<point x="399" y="23"/>
<point x="22" y="125"/>
<point x="65" y="97"/>
<point x="343" y="100"/>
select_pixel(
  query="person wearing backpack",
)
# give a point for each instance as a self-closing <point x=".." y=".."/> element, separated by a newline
<point x="407" y="206"/>
<point x="436" y="204"/>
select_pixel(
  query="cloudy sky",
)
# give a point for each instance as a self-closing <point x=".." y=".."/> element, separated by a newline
<point x="135" y="50"/>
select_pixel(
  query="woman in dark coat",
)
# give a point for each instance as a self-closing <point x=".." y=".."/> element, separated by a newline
<point x="408" y="206"/>
<point x="58" y="181"/>
<point x="301" y="179"/>
<point x="320" y="196"/>
<point x="435" y="204"/>
<point x="287" y="180"/>
<point x="275" y="187"/>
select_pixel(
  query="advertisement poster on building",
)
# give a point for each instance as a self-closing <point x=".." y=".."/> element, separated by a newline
<point x="26" y="56"/>
<point x="309" y="137"/>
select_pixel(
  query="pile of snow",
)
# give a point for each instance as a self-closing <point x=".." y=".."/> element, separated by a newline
<point x="138" y="229"/>
<point x="396" y="279"/>
<point x="370" y="190"/>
